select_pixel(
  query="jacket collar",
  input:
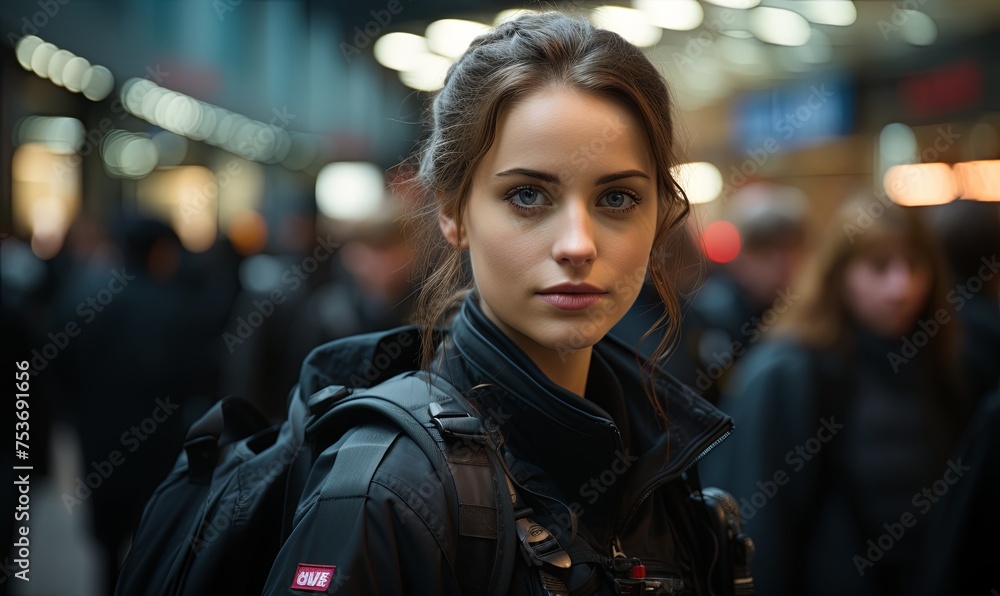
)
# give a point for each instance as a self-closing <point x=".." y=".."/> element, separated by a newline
<point x="609" y="448"/>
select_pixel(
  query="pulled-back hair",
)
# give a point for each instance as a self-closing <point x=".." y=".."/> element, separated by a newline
<point x="507" y="64"/>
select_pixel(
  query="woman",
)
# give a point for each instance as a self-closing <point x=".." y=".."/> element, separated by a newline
<point x="547" y="167"/>
<point x="848" y="413"/>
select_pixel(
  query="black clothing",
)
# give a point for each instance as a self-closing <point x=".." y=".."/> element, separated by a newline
<point x="718" y="326"/>
<point x="961" y="551"/>
<point x="831" y="452"/>
<point x="603" y="457"/>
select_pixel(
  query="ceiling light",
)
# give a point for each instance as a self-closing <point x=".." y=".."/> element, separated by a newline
<point x="779" y="26"/>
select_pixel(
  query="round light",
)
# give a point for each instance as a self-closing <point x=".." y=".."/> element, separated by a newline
<point x="451" y="37"/>
<point x="134" y="92"/>
<point x="677" y="15"/>
<point x="26" y="47"/>
<point x="97" y="83"/>
<point x="73" y="73"/>
<point x="350" y="191"/>
<point x="779" y="26"/>
<point x="631" y="24"/>
<point x="428" y="75"/>
<point x="918" y="29"/>
<point x="41" y="57"/>
<point x="400" y="51"/>
<point x="138" y="157"/>
<point x="57" y="64"/>
<point x="701" y="181"/>
<point x="840" y="13"/>
<point x="921" y="184"/>
<point x="721" y="241"/>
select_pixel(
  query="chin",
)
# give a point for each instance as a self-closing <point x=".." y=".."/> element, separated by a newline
<point x="569" y="342"/>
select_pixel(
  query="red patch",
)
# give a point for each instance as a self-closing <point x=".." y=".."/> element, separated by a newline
<point x="315" y="578"/>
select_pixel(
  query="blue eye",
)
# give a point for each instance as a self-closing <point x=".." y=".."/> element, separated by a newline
<point x="619" y="200"/>
<point x="527" y="196"/>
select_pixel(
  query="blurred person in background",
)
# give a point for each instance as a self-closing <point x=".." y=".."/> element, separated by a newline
<point x="257" y="346"/>
<point x="362" y="283"/>
<point x="134" y="376"/>
<point x="960" y="552"/>
<point x="847" y="412"/>
<point x="969" y="232"/>
<point x="725" y="315"/>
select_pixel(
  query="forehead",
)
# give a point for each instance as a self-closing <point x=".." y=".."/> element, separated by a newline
<point x="562" y="129"/>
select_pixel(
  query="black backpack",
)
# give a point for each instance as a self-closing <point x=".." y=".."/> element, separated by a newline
<point x="216" y="524"/>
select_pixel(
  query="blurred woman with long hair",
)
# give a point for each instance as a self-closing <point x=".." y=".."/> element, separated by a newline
<point x="848" y="411"/>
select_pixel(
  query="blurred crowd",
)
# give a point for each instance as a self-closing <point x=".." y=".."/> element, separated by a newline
<point x="858" y="355"/>
<point x="131" y="338"/>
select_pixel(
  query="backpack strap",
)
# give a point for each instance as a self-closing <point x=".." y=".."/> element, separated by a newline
<point x="230" y="419"/>
<point x="357" y="459"/>
<point x="442" y="424"/>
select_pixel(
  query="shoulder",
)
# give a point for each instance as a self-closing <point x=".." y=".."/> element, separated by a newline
<point x="775" y="380"/>
<point x="397" y="481"/>
<point x="361" y="360"/>
<point x="783" y="358"/>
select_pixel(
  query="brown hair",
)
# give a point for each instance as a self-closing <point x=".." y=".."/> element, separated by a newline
<point x="508" y="63"/>
<point x="820" y="318"/>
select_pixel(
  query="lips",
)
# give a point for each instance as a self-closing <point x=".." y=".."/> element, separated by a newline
<point x="571" y="288"/>
<point x="570" y="296"/>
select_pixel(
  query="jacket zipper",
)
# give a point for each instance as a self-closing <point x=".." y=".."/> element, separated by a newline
<point x="656" y="484"/>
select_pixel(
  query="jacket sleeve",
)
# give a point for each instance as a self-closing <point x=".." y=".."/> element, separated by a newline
<point x="392" y="534"/>
<point x="770" y="463"/>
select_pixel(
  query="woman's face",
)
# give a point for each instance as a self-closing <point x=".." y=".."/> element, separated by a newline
<point x="887" y="289"/>
<point x="560" y="219"/>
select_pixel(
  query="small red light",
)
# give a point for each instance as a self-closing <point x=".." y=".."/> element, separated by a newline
<point x="721" y="241"/>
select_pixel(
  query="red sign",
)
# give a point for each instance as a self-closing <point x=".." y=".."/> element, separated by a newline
<point x="313" y="578"/>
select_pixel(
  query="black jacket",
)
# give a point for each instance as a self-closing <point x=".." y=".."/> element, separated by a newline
<point x="829" y="464"/>
<point x="604" y="458"/>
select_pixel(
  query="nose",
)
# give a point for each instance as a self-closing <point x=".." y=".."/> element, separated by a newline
<point x="574" y="242"/>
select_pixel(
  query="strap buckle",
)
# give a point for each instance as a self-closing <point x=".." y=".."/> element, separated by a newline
<point x="539" y="546"/>
<point x="457" y="424"/>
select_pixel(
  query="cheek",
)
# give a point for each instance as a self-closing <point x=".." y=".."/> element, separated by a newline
<point x="500" y="255"/>
<point x="856" y="287"/>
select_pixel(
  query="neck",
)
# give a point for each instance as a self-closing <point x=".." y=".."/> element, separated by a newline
<point x="568" y="369"/>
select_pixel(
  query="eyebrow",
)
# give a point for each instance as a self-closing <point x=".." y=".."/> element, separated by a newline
<point x="553" y="179"/>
